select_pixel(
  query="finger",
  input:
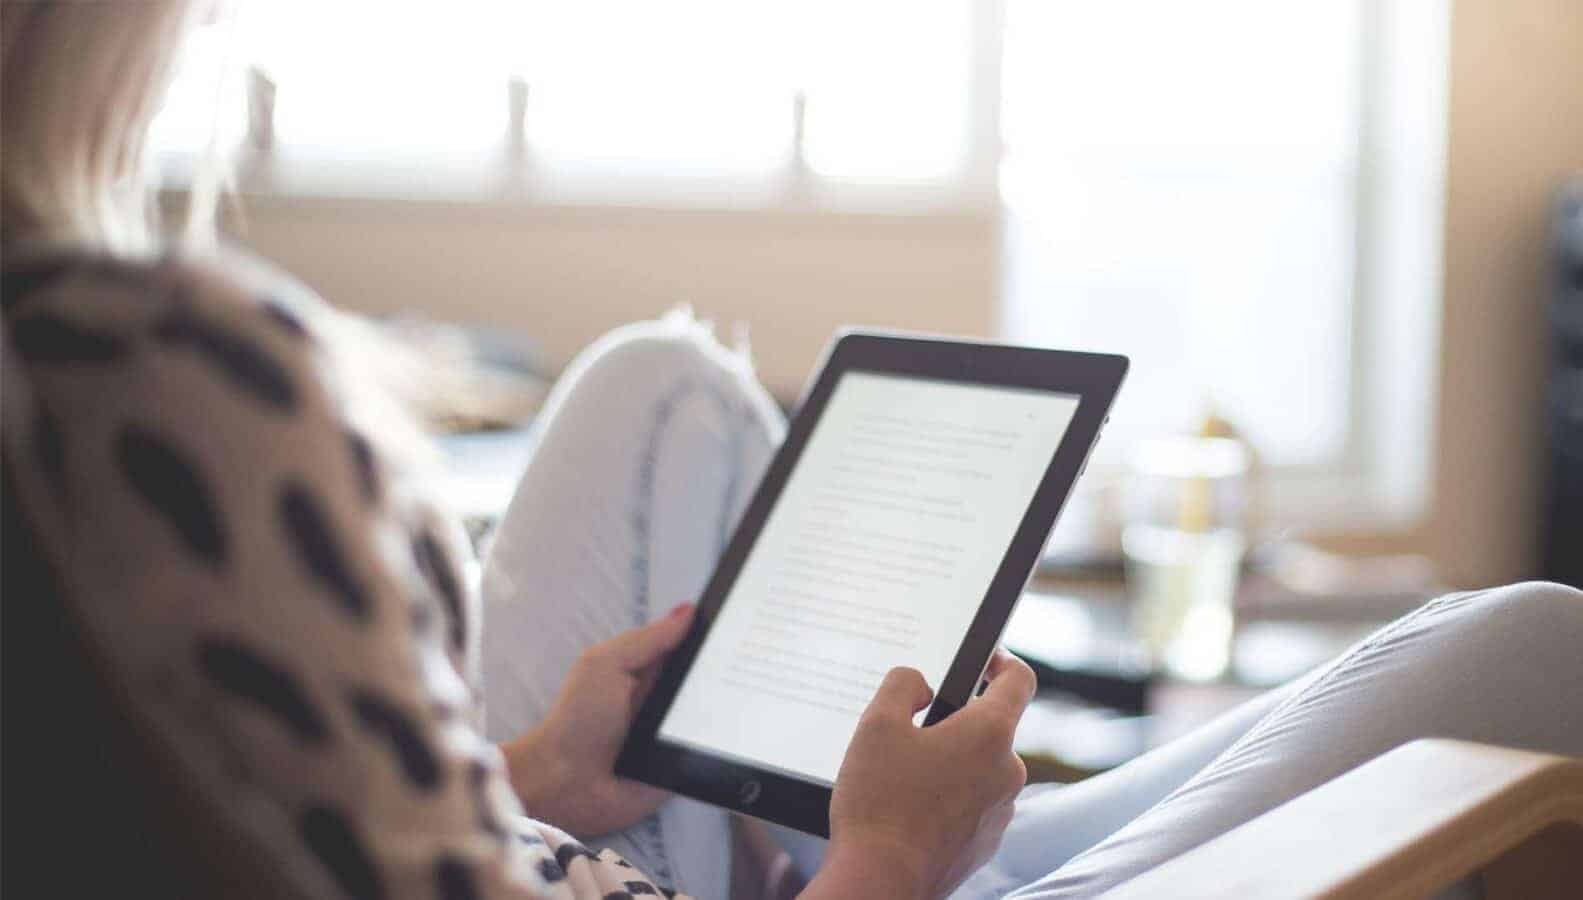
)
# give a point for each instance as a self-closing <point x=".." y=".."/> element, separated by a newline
<point x="640" y="648"/>
<point x="997" y="663"/>
<point x="901" y="694"/>
<point x="1011" y="685"/>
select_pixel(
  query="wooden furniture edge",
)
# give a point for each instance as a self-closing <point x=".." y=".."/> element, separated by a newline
<point x="1403" y="825"/>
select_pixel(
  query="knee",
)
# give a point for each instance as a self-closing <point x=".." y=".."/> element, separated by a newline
<point x="659" y="353"/>
<point x="672" y="365"/>
<point x="1541" y="609"/>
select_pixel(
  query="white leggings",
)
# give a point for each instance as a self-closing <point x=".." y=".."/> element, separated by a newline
<point x="650" y="446"/>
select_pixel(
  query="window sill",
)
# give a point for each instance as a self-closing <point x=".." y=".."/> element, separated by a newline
<point x="494" y="180"/>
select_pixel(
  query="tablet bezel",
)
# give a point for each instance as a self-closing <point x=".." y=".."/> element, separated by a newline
<point x="1094" y="378"/>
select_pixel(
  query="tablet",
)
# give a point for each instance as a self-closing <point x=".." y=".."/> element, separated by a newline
<point x="896" y="526"/>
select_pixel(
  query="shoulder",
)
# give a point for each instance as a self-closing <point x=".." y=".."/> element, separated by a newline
<point x="179" y="437"/>
<point x="175" y="441"/>
<point x="82" y="315"/>
<point x="175" y="411"/>
<point x="226" y="332"/>
<point x="121" y="290"/>
<point x="167" y="377"/>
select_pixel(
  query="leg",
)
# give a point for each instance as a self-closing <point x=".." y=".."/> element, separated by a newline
<point x="1500" y="666"/>
<point x="1054" y="823"/>
<point x="649" y="446"/>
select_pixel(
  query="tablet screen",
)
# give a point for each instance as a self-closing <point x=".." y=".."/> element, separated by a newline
<point x="877" y="553"/>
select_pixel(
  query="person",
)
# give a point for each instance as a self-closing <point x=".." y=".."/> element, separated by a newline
<point x="244" y="525"/>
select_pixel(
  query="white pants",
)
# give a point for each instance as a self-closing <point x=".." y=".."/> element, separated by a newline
<point x="650" y="446"/>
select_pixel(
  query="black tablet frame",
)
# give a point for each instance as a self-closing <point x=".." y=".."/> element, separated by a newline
<point x="805" y="805"/>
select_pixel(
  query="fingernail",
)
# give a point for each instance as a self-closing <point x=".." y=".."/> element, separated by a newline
<point x="681" y="609"/>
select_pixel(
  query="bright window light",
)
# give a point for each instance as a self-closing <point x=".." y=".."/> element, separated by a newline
<point x="693" y="87"/>
<point x="1181" y="182"/>
<point x="364" y="78"/>
<point x="888" y="88"/>
<point x="688" y="87"/>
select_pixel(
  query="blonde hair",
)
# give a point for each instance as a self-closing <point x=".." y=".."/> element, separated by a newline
<point x="81" y="82"/>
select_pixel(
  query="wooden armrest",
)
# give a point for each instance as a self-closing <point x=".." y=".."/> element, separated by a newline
<point x="1409" y="823"/>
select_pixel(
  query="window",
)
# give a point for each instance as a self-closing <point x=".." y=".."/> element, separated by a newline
<point x="1181" y="182"/>
<point x="1243" y="195"/>
<point x="703" y="89"/>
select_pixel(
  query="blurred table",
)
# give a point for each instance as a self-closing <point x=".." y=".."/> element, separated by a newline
<point x="1101" y="704"/>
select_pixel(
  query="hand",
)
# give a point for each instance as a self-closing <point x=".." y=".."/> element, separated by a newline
<point x="564" y="769"/>
<point x="926" y="805"/>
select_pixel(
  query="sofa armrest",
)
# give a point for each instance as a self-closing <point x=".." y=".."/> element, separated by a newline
<point x="1410" y="822"/>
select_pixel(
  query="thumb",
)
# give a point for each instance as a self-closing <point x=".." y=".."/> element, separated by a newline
<point x="901" y="694"/>
<point x="641" y="647"/>
<point x="1012" y="684"/>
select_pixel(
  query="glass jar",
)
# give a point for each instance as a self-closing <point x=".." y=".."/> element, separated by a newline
<point x="1183" y="539"/>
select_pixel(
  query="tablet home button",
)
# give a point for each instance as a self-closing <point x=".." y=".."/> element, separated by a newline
<point x="749" y="792"/>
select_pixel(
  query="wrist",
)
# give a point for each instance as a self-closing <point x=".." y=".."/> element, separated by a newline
<point x="537" y="772"/>
<point x="871" y="867"/>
